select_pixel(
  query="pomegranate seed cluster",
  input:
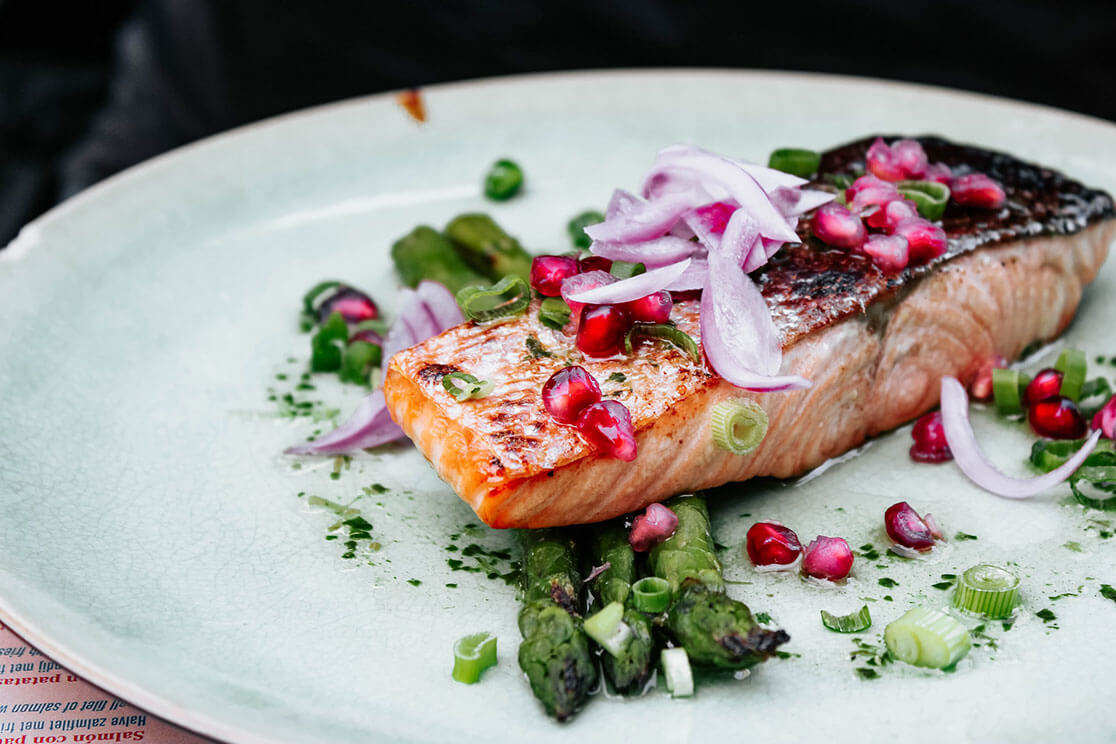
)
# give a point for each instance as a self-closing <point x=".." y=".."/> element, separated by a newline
<point x="572" y="397"/>
<point x="772" y="546"/>
<point x="901" y="237"/>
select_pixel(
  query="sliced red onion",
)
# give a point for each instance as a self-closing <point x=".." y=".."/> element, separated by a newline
<point x="795" y="202"/>
<point x="649" y="529"/>
<point x="627" y="290"/>
<point x="581" y="282"/>
<point x="737" y="331"/>
<point x="976" y="465"/>
<point x="667" y="249"/>
<point x="369" y="426"/>
<point x="693" y="277"/>
<point x="769" y="178"/>
<point x="642" y="221"/>
<point x="622" y="202"/>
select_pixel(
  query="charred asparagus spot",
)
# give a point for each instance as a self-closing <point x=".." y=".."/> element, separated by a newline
<point x="716" y="630"/>
<point x="555" y="653"/>
<point x="632" y="668"/>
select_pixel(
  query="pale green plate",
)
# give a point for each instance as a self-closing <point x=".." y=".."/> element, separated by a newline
<point x="153" y="539"/>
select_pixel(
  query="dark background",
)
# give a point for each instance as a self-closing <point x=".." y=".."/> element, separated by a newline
<point x="89" y="87"/>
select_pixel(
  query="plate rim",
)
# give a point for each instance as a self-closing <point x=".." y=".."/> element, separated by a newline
<point x="29" y="236"/>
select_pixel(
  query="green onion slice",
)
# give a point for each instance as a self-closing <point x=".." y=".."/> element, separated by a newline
<point x="509" y="296"/>
<point x="463" y="386"/>
<point x="472" y="655"/>
<point x="357" y="362"/>
<point x="625" y="270"/>
<point x="677" y="673"/>
<point x="1051" y="454"/>
<point x="651" y="594"/>
<point x="1007" y="390"/>
<point x="1094" y="483"/>
<point x="738" y="425"/>
<point x="987" y="590"/>
<point x="576" y="227"/>
<point x="503" y="180"/>
<point x="854" y="622"/>
<point x="797" y="162"/>
<point x="927" y="638"/>
<point x="554" y="313"/>
<point x="1073" y="366"/>
<point x="328" y="344"/>
<point x="663" y="332"/>
<point x="315" y="292"/>
<point x="930" y="197"/>
<point x="608" y="628"/>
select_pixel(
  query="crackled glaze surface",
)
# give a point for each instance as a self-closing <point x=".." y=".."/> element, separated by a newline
<point x="153" y="538"/>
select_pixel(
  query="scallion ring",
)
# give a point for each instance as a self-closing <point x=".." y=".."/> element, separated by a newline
<point x="796" y="161"/>
<point x="608" y="628"/>
<point x="738" y="425"/>
<point x="1007" y="390"/>
<point x="987" y="590"/>
<point x="930" y="197"/>
<point x="927" y="638"/>
<point x="1094" y="483"/>
<point x="661" y="331"/>
<point x="651" y="595"/>
<point x="554" y="313"/>
<point x="472" y="655"/>
<point x="509" y="296"/>
<point x="1073" y="366"/>
<point x="464" y="386"/>
<point x="854" y="622"/>
<point x="677" y="673"/>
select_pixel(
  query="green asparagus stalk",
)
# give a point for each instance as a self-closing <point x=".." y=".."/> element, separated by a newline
<point x="716" y="630"/>
<point x="487" y="248"/>
<point x="629" y="671"/>
<point x="424" y="253"/>
<point x="555" y="651"/>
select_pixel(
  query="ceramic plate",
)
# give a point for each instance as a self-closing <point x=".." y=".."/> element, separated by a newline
<point x="155" y="539"/>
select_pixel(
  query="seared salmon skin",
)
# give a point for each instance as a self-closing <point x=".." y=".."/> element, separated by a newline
<point x="875" y="347"/>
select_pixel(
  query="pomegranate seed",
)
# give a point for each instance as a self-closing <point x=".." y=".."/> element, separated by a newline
<point x="548" y="273"/>
<point x="772" y="544"/>
<point x="1047" y="383"/>
<point x="654" y="308"/>
<point x="354" y="306"/>
<point x="600" y="332"/>
<point x="607" y="426"/>
<point x="925" y="240"/>
<point x="911" y="158"/>
<point x="1105" y="419"/>
<point x="981" y="387"/>
<point x="882" y="163"/>
<point x="834" y="225"/>
<point x="939" y="172"/>
<point x="649" y="529"/>
<point x="977" y="190"/>
<point x="874" y="196"/>
<point x="889" y="252"/>
<point x="828" y="558"/>
<point x="906" y="528"/>
<point x="896" y="212"/>
<point x="588" y="280"/>
<point x="594" y="263"/>
<point x="568" y="391"/>
<point x="1056" y="417"/>
<point x="929" y="439"/>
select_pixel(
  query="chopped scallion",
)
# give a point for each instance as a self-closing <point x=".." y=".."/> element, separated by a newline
<point x="796" y="161"/>
<point x="987" y="590"/>
<point x="472" y="655"/>
<point x="854" y="622"/>
<point x="1073" y="366"/>
<point x="309" y="314"/>
<point x="554" y="313"/>
<point x="1094" y="483"/>
<point x="1007" y="390"/>
<point x="663" y="332"/>
<point x="738" y="425"/>
<point x="677" y="673"/>
<point x="930" y="197"/>
<point x="463" y="386"/>
<point x="651" y="594"/>
<point x="509" y="296"/>
<point x="328" y="344"/>
<point x="608" y="628"/>
<point x="626" y="270"/>
<point x="927" y="638"/>
<point x="357" y="362"/>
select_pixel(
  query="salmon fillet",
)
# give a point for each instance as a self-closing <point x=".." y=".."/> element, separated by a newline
<point x="874" y="346"/>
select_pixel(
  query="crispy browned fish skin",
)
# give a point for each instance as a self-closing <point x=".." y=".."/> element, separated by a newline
<point x="875" y="351"/>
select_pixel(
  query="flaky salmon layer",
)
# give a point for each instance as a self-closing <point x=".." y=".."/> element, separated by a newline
<point x="871" y="372"/>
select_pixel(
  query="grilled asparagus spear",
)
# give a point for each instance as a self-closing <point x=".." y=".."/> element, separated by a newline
<point x="715" y="630"/>
<point x="487" y="248"/>
<point x="555" y="651"/>
<point x="629" y="671"/>
<point x="425" y="253"/>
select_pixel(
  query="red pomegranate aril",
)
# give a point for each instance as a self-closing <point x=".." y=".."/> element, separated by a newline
<point x="889" y="252"/>
<point x="548" y="273"/>
<point x="882" y="163"/>
<point x="1105" y="419"/>
<point x="906" y="528"/>
<point x="601" y="329"/>
<point x="977" y="190"/>
<point x="1046" y="384"/>
<point x="981" y="387"/>
<point x="837" y="226"/>
<point x="873" y="196"/>
<point x="354" y="306"/>
<point x="594" y="263"/>
<point x="607" y="426"/>
<point x="655" y="525"/>
<point x="1056" y="417"/>
<point x="939" y="173"/>
<point x="898" y="211"/>
<point x="910" y="157"/>
<point x="929" y="439"/>
<point x="568" y="391"/>
<point x="828" y="558"/>
<point x="654" y="308"/>
<point x="866" y="182"/>
<point x="772" y="544"/>
<point x="925" y="240"/>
